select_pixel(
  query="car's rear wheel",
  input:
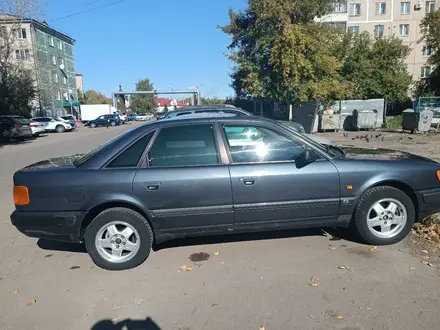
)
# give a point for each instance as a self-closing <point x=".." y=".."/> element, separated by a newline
<point x="384" y="215"/>
<point x="118" y="239"/>
<point x="60" y="128"/>
<point x="113" y="123"/>
<point x="92" y="125"/>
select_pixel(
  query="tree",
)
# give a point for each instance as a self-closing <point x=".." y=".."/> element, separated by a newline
<point x="18" y="93"/>
<point x="375" y="68"/>
<point x="213" y="100"/>
<point x="143" y="103"/>
<point x="93" y="97"/>
<point x="280" y="53"/>
<point x="430" y="29"/>
<point x="165" y="108"/>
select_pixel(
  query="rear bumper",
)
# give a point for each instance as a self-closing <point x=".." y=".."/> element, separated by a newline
<point x="60" y="226"/>
<point x="429" y="202"/>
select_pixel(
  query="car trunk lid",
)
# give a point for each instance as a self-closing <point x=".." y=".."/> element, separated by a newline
<point x="53" y="162"/>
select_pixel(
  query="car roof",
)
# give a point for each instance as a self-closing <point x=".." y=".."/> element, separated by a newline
<point x="208" y="119"/>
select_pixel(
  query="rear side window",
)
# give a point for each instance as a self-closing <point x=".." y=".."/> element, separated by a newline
<point x="180" y="114"/>
<point x="131" y="156"/>
<point x="191" y="145"/>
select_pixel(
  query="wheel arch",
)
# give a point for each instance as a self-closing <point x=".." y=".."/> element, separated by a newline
<point x="93" y="212"/>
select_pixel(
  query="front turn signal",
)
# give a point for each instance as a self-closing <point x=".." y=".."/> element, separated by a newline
<point x="438" y="175"/>
<point x="21" y="195"/>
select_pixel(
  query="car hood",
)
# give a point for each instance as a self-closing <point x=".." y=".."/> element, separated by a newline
<point x="53" y="162"/>
<point x="382" y="154"/>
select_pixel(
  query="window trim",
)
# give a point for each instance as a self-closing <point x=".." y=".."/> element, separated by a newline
<point x="146" y="163"/>
<point x="286" y="134"/>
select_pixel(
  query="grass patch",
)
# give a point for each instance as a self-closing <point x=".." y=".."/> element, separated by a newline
<point x="395" y="122"/>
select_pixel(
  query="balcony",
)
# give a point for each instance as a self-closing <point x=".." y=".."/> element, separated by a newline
<point x="339" y="13"/>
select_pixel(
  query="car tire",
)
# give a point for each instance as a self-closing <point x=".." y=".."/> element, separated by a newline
<point x="92" y="125"/>
<point x="142" y="234"/>
<point x="113" y="123"/>
<point x="60" y="129"/>
<point x="365" y="216"/>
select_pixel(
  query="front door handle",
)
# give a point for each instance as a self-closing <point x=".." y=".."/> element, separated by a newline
<point x="152" y="186"/>
<point x="248" y="181"/>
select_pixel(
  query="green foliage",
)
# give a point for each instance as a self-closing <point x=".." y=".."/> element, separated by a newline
<point x="17" y="90"/>
<point x="143" y="103"/>
<point x="375" y="68"/>
<point x="211" y="100"/>
<point x="93" y="97"/>
<point x="81" y="97"/>
<point x="395" y="122"/>
<point x="430" y="29"/>
<point x="165" y="108"/>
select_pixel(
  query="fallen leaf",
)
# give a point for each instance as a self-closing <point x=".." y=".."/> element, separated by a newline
<point x="198" y="265"/>
<point x="75" y="267"/>
<point x="425" y="251"/>
<point x="184" y="267"/>
<point x="332" y="248"/>
<point x="314" y="284"/>
<point x="204" y="284"/>
<point x="32" y="302"/>
<point x="339" y="317"/>
<point x="138" y="301"/>
<point x="342" y="267"/>
<point x="411" y="268"/>
<point x="188" y="269"/>
<point x="425" y="257"/>
<point x="48" y="255"/>
<point x="425" y="262"/>
<point x="373" y="248"/>
<point x="115" y="308"/>
<point x="216" y="253"/>
<point x="314" y="279"/>
<point x="67" y="290"/>
<point x="14" y="292"/>
<point x="262" y="328"/>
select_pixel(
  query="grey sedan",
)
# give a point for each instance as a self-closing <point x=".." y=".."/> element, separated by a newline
<point x="204" y="176"/>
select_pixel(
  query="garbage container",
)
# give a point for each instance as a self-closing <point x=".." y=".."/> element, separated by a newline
<point x="425" y="120"/>
<point x="366" y="119"/>
<point x="409" y="120"/>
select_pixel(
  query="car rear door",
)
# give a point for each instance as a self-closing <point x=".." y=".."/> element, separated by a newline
<point x="271" y="182"/>
<point x="183" y="182"/>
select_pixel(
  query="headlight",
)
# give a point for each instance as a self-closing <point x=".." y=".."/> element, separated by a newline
<point x="301" y="129"/>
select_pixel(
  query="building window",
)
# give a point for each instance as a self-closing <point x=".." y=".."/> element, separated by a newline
<point x="58" y="96"/>
<point x="340" y="7"/>
<point x="60" y="44"/>
<point x="355" y="9"/>
<point x="381" y="8"/>
<point x="336" y="25"/>
<point x="20" y="34"/>
<point x="427" y="51"/>
<point x="51" y="43"/>
<point x="353" y="29"/>
<point x="64" y="80"/>
<point x="405" y="8"/>
<point x="22" y="54"/>
<point x="54" y="59"/>
<point x="378" y="31"/>
<point x="55" y="77"/>
<point x="65" y="96"/>
<point x="61" y="61"/>
<point x="425" y="72"/>
<point x="404" y="30"/>
<point x="3" y="32"/>
<point x="429" y="6"/>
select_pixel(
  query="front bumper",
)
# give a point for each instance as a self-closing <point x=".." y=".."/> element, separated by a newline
<point x="59" y="226"/>
<point x="429" y="202"/>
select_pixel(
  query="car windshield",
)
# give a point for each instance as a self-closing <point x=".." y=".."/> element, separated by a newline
<point x="20" y="120"/>
<point x="58" y="118"/>
<point x="309" y="140"/>
<point x="86" y="157"/>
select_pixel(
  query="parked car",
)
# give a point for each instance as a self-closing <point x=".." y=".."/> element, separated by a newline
<point x="14" y="127"/>
<point x="102" y="120"/>
<point x="53" y="125"/>
<point x="71" y="120"/>
<point x="37" y="128"/>
<point x="142" y="117"/>
<point x="132" y="117"/>
<point x="185" y="177"/>
<point x="123" y="117"/>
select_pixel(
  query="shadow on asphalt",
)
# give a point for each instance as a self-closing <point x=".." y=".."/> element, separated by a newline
<point x="147" y="324"/>
<point x="17" y="142"/>
<point x="333" y="234"/>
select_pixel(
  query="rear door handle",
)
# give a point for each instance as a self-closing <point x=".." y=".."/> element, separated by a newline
<point x="152" y="186"/>
<point x="247" y="181"/>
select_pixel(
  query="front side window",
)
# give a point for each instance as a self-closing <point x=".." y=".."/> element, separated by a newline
<point x="189" y="145"/>
<point x="132" y="155"/>
<point x="253" y="144"/>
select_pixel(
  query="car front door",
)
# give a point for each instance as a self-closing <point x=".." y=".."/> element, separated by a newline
<point x="183" y="182"/>
<point x="277" y="179"/>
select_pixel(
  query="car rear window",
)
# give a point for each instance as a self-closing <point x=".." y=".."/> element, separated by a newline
<point x="22" y="121"/>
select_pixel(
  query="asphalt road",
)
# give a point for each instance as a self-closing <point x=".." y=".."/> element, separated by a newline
<point x="248" y="281"/>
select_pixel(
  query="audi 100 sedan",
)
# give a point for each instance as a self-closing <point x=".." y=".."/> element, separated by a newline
<point x="205" y="176"/>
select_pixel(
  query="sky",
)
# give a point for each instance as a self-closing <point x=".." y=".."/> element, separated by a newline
<point x="174" y="43"/>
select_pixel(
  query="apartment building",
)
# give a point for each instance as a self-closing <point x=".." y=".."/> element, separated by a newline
<point x="49" y="55"/>
<point x="400" y="18"/>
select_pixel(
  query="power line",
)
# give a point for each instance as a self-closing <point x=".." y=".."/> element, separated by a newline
<point x="88" y="10"/>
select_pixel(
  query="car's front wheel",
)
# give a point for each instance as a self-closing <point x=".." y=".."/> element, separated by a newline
<point x="384" y="215"/>
<point x="118" y="239"/>
<point x="92" y="125"/>
<point x="60" y="128"/>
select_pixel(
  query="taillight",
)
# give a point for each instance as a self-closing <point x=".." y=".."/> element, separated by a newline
<point x="21" y="195"/>
<point x="17" y="125"/>
<point x="438" y="175"/>
<point x="34" y="125"/>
